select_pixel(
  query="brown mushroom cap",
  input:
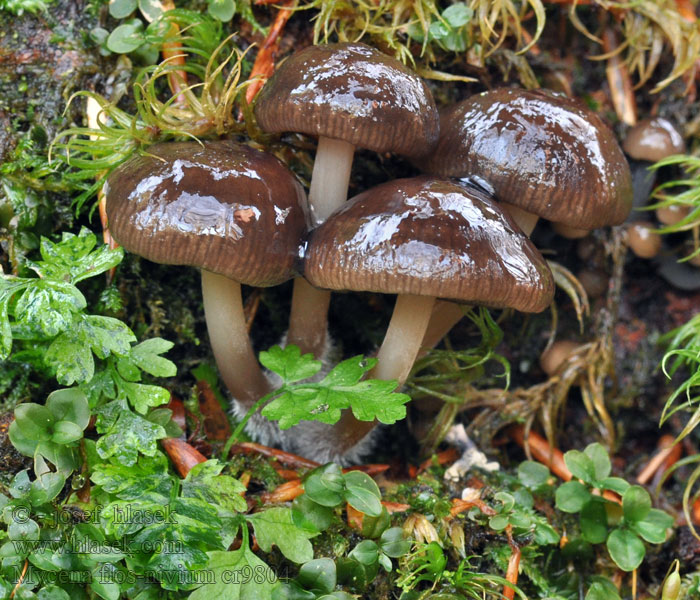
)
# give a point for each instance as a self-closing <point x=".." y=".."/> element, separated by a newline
<point x="653" y="140"/>
<point x="221" y="206"/>
<point x="429" y="237"/>
<point x="543" y="152"/>
<point x="350" y="92"/>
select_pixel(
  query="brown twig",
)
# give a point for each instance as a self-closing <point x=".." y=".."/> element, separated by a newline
<point x="291" y="460"/>
<point x="183" y="455"/>
<point x="264" y="64"/>
<point x="668" y="454"/>
<point x="283" y="493"/>
<point x="542" y="451"/>
<point x="21" y="578"/>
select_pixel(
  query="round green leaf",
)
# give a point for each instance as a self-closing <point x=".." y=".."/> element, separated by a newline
<point x="52" y="592"/>
<point x="615" y="484"/>
<point x="24" y="529"/>
<point x="532" y="474"/>
<point x="601" y="591"/>
<point x="309" y="515"/>
<point x="125" y="38"/>
<point x="571" y="496"/>
<point x="498" y="522"/>
<point x="66" y="432"/>
<point x="636" y="504"/>
<point x="600" y="459"/>
<point x="151" y="9"/>
<point x="363" y="493"/>
<point x="325" y="485"/>
<point x="318" y="575"/>
<point x="393" y="542"/>
<point x="69" y="405"/>
<point x="222" y="10"/>
<point x="626" y="549"/>
<point x="580" y="465"/>
<point x="366" y="552"/>
<point x="120" y="9"/>
<point x="457" y="14"/>
<point x="24" y="444"/>
<point x="35" y="421"/>
<point x="594" y="522"/>
<point x="653" y="527"/>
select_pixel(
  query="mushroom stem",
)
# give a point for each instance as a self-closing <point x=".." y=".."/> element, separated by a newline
<point x="395" y="358"/>
<point x="403" y="337"/>
<point x="239" y="368"/>
<point x="524" y="219"/>
<point x="330" y="178"/>
<point x="329" y="190"/>
<point x="308" y="318"/>
<point x="444" y="317"/>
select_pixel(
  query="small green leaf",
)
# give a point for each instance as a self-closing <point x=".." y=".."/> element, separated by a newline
<point x="458" y="14"/>
<point x="580" y="465"/>
<point x="393" y="542"/>
<point x="532" y="474"/>
<point x="600" y="459"/>
<point x="34" y="421"/>
<point x="223" y="10"/>
<point x="69" y="405"/>
<point x="362" y="493"/>
<point x="289" y="364"/>
<point x="275" y="526"/>
<point x="594" y="521"/>
<point x="151" y="9"/>
<point x="66" y="432"/>
<point x="499" y="522"/>
<point x="325" y="485"/>
<point x="626" y="549"/>
<point x="125" y="38"/>
<point x="636" y="504"/>
<point x="615" y="484"/>
<point x="600" y="591"/>
<point x="571" y="496"/>
<point x="653" y="526"/>
<point x="310" y="515"/>
<point x="366" y="552"/>
<point x="318" y="575"/>
<point x="120" y="9"/>
<point x="146" y="357"/>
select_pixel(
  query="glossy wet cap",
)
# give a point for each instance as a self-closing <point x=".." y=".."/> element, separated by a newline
<point x="544" y="152"/>
<point x="221" y="206"/>
<point x="350" y="92"/>
<point x="653" y="140"/>
<point x="429" y="237"/>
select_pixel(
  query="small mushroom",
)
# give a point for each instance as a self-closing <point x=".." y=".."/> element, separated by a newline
<point x="648" y="142"/>
<point x="556" y="355"/>
<point x="232" y="211"/>
<point x="643" y="240"/>
<point x="424" y="238"/>
<point x="544" y="154"/>
<point x="349" y="95"/>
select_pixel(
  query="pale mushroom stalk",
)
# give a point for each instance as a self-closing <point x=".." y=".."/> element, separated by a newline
<point x="230" y="342"/>
<point x="308" y="319"/>
<point x="349" y="95"/>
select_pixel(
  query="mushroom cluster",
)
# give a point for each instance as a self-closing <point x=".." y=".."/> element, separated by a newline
<point x="455" y="234"/>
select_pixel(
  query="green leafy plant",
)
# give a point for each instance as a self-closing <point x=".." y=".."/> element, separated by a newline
<point x="343" y="387"/>
<point x="19" y="7"/>
<point x="427" y="564"/>
<point x="52" y="431"/>
<point x="44" y="321"/>
<point x="621" y="526"/>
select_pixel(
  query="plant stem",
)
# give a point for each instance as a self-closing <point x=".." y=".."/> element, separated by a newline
<point x="233" y="438"/>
